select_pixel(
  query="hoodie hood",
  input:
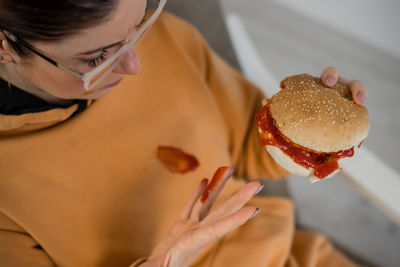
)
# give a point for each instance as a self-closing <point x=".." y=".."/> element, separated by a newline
<point x="21" y="112"/>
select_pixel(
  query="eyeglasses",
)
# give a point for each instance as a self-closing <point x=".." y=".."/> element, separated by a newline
<point x="92" y="78"/>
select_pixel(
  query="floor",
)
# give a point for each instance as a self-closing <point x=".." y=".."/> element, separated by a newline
<point x="291" y="43"/>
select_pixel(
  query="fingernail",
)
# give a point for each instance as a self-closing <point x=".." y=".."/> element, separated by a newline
<point x="255" y="213"/>
<point x="330" y="81"/>
<point x="361" y="96"/>
<point x="231" y="172"/>
<point x="259" y="189"/>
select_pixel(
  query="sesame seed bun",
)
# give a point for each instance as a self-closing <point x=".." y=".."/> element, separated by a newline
<point x="286" y="162"/>
<point x="317" y="117"/>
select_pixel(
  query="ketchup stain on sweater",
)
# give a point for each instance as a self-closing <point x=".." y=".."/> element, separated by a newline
<point x="176" y="160"/>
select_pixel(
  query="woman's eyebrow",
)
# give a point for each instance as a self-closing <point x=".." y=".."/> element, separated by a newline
<point x="110" y="45"/>
<point x="100" y="49"/>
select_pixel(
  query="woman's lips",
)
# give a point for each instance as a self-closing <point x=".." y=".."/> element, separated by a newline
<point x="111" y="84"/>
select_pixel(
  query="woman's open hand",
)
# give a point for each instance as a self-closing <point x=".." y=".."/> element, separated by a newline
<point x="198" y="227"/>
<point x="330" y="76"/>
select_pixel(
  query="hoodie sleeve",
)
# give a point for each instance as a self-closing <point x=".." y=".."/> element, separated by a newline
<point x="18" y="248"/>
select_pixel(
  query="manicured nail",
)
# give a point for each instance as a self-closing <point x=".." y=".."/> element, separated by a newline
<point x="204" y="182"/>
<point x="255" y="212"/>
<point x="259" y="189"/>
<point x="330" y="81"/>
<point x="231" y="172"/>
<point x="361" y="96"/>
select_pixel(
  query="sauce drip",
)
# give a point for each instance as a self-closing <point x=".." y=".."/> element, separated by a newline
<point x="218" y="175"/>
<point x="176" y="160"/>
<point x="323" y="163"/>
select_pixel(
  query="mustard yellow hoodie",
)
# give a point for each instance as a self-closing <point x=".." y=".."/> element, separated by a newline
<point x="88" y="190"/>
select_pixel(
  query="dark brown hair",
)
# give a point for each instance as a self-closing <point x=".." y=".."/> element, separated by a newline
<point x="51" y="20"/>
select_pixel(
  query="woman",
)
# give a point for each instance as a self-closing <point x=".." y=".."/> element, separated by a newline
<point x="80" y="182"/>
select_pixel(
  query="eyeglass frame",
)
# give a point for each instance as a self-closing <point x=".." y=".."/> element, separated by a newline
<point x="87" y="77"/>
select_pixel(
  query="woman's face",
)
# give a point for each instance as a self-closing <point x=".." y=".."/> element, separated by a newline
<point x="82" y="52"/>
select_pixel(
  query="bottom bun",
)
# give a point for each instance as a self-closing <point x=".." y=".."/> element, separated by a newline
<point x="286" y="162"/>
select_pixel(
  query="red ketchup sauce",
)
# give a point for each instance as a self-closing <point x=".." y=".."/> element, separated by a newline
<point x="323" y="163"/>
<point x="176" y="160"/>
<point x="218" y="175"/>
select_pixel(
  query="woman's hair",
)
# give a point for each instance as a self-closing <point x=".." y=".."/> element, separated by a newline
<point x="51" y="20"/>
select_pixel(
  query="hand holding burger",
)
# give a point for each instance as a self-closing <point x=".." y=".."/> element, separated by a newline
<point x="308" y="127"/>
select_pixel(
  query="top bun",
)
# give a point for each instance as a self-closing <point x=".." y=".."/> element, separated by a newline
<point x="317" y="117"/>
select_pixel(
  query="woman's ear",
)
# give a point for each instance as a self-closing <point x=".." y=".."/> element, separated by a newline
<point x="7" y="54"/>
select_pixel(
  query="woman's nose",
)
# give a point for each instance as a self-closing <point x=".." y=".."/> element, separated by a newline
<point x="129" y="63"/>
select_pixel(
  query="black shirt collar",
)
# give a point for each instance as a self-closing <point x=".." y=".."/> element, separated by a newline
<point x="14" y="101"/>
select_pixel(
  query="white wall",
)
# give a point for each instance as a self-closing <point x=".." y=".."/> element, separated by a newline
<point x="376" y="22"/>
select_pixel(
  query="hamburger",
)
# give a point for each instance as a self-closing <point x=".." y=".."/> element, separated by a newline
<point x="308" y="128"/>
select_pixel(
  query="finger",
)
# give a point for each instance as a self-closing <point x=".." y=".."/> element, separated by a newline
<point x="198" y="192"/>
<point x="235" y="202"/>
<point x="330" y="76"/>
<point x="167" y="260"/>
<point x="207" y="234"/>
<point x="210" y="193"/>
<point x="217" y="183"/>
<point x="358" y="91"/>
